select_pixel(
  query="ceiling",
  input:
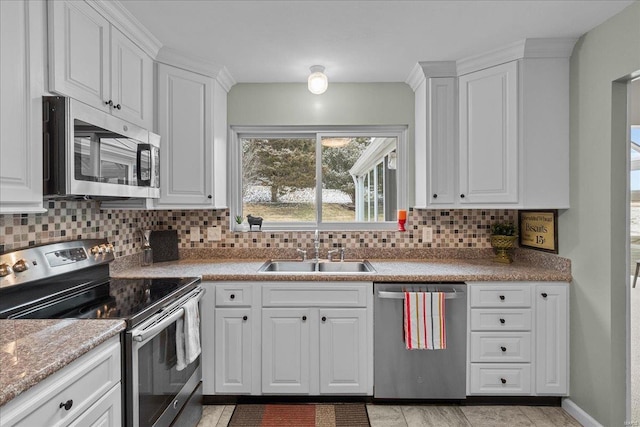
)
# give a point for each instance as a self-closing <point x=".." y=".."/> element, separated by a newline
<point x="357" y="41"/>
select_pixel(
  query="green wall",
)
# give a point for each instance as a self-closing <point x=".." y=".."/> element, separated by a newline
<point x="593" y="230"/>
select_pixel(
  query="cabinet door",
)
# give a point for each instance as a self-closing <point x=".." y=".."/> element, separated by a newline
<point x="79" y="52"/>
<point x="441" y="131"/>
<point x="106" y="412"/>
<point x="343" y="354"/>
<point x="131" y="81"/>
<point x="233" y="350"/>
<point x="21" y="86"/>
<point x="552" y="340"/>
<point x="285" y="350"/>
<point x="185" y="125"/>
<point x="489" y="135"/>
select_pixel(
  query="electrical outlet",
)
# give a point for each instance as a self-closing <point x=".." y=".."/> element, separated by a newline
<point x="427" y="235"/>
<point x="214" y="234"/>
<point x="194" y="234"/>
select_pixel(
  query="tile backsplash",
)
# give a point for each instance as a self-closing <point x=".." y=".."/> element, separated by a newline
<point x="69" y="220"/>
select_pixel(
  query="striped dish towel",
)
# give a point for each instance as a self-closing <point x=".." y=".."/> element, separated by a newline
<point x="424" y="321"/>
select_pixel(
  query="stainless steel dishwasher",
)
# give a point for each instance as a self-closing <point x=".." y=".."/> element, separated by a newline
<point x="419" y="374"/>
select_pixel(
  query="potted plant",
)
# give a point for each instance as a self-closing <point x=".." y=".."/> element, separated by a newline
<point x="503" y="235"/>
<point x="240" y="226"/>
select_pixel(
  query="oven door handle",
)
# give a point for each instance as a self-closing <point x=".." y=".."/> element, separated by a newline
<point x="164" y="320"/>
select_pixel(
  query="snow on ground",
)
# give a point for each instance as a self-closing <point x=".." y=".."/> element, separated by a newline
<point x="262" y="193"/>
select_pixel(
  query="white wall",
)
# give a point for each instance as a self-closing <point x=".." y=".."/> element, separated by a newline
<point x="254" y="104"/>
<point x="592" y="232"/>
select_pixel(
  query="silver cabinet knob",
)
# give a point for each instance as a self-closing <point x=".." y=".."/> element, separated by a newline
<point x="20" y="266"/>
<point x="5" y="269"/>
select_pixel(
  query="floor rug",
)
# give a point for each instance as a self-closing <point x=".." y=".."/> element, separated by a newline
<point x="300" y="415"/>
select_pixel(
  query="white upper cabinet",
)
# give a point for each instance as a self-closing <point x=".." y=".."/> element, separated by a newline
<point x="22" y="52"/>
<point x="131" y="81"/>
<point x="92" y="61"/>
<point x="192" y="122"/>
<point x="185" y="117"/>
<point x="493" y="130"/>
<point x="435" y="137"/>
<point x="489" y="135"/>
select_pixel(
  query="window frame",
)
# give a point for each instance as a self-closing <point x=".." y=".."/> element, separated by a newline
<point x="237" y="133"/>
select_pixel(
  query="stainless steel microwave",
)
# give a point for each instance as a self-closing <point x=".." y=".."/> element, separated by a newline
<point x="93" y="154"/>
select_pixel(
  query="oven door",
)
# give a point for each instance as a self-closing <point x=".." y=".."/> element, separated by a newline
<point x="156" y="390"/>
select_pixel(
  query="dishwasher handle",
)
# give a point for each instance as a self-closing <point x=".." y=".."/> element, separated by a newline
<point x="400" y="295"/>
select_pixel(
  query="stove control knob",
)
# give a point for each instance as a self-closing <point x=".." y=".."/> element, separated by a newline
<point x="20" y="266"/>
<point x="5" y="269"/>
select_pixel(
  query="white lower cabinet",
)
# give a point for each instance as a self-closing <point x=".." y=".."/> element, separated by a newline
<point x="329" y="344"/>
<point x="233" y="355"/>
<point x="87" y="392"/>
<point x="518" y="338"/>
<point x="343" y="351"/>
<point x="305" y="338"/>
<point x="490" y="378"/>
<point x="286" y="350"/>
<point x="552" y="338"/>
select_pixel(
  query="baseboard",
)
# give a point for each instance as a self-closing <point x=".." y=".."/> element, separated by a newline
<point x="579" y="414"/>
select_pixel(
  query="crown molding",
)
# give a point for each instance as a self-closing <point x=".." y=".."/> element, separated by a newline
<point x="428" y="69"/>
<point x="176" y="58"/>
<point x="526" y="48"/>
<point x="416" y="77"/>
<point x="225" y="79"/>
<point x="549" y="48"/>
<point x="119" y="16"/>
<point x="439" y="68"/>
<point x="501" y="55"/>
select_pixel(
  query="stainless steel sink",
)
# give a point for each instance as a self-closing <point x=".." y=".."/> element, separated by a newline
<point x="288" y="266"/>
<point x="346" y="267"/>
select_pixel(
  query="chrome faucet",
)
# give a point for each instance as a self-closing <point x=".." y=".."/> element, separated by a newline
<point x="316" y="246"/>
<point x="303" y="253"/>
<point x="330" y="254"/>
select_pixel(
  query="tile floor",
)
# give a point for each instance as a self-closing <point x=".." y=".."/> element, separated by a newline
<point x="436" y="416"/>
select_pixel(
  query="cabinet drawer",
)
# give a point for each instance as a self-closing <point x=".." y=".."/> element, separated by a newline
<point x="501" y="320"/>
<point x="500" y="379"/>
<point x="234" y="295"/>
<point x="314" y="294"/>
<point x="501" y="347"/>
<point x="106" y="412"/>
<point x="83" y="382"/>
<point x="500" y="296"/>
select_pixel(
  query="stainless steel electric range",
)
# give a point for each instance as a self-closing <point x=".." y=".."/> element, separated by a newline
<point x="71" y="280"/>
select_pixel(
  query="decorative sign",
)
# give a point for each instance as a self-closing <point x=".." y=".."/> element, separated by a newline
<point x="538" y="230"/>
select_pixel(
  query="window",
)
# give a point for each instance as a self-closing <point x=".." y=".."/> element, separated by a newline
<point x="329" y="178"/>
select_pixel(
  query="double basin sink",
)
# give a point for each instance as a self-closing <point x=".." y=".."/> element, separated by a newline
<point x="336" y="267"/>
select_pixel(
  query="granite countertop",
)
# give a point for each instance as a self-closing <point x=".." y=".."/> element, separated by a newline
<point x="31" y="350"/>
<point x="386" y="270"/>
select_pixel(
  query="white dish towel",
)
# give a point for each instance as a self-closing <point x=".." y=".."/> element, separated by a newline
<point x="188" y="335"/>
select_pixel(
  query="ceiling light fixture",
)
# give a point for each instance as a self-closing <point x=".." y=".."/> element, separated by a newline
<point x="317" y="82"/>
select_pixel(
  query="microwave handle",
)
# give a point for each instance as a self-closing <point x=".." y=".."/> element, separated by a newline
<point x="141" y="148"/>
<point x="155" y="165"/>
